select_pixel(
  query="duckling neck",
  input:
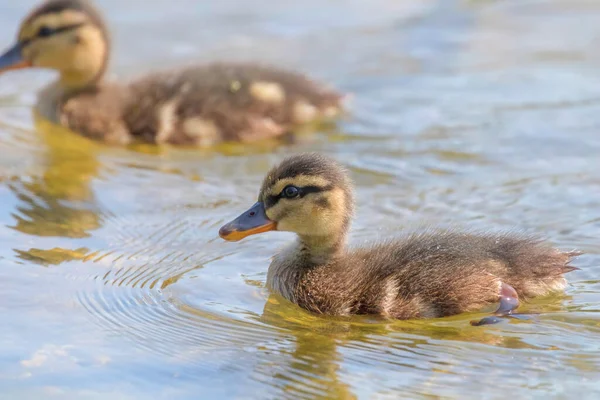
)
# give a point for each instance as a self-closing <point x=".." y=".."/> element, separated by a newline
<point x="55" y="94"/>
<point x="77" y="81"/>
<point x="307" y="253"/>
<point x="319" y="250"/>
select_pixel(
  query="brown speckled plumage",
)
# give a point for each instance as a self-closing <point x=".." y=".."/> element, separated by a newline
<point x="425" y="275"/>
<point x="429" y="275"/>
<point x="201" y="92"/>
<point x="201" y="105"/>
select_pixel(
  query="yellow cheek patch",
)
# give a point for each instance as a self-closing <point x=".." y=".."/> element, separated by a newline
<point x="337" y="197"/>
<point x="273" y="212"/>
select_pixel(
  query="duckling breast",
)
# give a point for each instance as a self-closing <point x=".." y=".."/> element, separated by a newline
<point x="97" y="113"/>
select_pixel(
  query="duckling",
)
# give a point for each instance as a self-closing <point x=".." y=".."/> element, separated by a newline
<point x="201" y="105"/>
<point x="426" y="275"/>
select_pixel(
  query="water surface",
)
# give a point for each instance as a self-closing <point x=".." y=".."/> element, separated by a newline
<point x="480" y="114"/>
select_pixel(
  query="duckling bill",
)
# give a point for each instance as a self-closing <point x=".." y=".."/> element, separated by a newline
<point x="426" y="275"/>
<point x="202" y="105"/>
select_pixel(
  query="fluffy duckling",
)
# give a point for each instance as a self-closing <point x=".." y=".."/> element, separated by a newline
<point x="427" y="275"/>
<point x="200" y="106"/>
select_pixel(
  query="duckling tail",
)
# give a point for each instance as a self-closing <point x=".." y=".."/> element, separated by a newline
<point x="568" y="268"/>
<point x="570" y="256"/>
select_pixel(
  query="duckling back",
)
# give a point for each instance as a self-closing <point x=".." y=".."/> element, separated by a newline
<point x="433" y="275"/>
<point x="202" y="106"/>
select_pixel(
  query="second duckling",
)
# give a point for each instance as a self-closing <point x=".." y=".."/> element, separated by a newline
<point x="201" y="106"/>
<point x="426" y="275"/>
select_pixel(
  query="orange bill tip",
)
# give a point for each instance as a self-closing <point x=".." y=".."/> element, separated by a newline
<point x="19" y="65"/>
<point x="12" y="59"/>
<point x="251" y="222"/>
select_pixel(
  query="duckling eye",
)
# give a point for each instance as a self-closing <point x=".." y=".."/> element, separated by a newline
<point x="290" y="192"/>
<point x="45" y="31"/>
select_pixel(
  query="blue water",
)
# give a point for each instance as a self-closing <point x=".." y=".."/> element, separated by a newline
<point x="486" y="114"/>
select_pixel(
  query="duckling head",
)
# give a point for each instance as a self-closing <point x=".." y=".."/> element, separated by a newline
<point x="308" y="194"/>
<point x="68" y="36"/>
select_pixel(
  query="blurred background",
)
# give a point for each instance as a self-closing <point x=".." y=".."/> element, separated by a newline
<point x="484" y="114"/>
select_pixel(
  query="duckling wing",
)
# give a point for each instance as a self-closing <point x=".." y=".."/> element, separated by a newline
<point x="422" y="277"/>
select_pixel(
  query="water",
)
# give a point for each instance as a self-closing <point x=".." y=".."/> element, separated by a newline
<point x="466" y="113"/>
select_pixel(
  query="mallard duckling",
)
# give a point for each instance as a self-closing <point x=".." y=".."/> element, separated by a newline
<point x="201" y="106"/>
<point x="426" y="275"/>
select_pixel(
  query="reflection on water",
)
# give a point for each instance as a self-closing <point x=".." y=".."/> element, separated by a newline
<point x="60" y="202"/>
<point x="477" y="113"/>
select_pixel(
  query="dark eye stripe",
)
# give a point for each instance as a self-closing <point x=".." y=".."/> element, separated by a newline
<point x="310" y="189"/>
<point x="270" y="201"/>
<point x="60" y="29"/>
<point x="45" y="32"/>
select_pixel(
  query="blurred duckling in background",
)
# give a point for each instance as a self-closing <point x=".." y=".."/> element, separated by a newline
<point x="200" y="106"/>
<point x="425" y="275"/>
